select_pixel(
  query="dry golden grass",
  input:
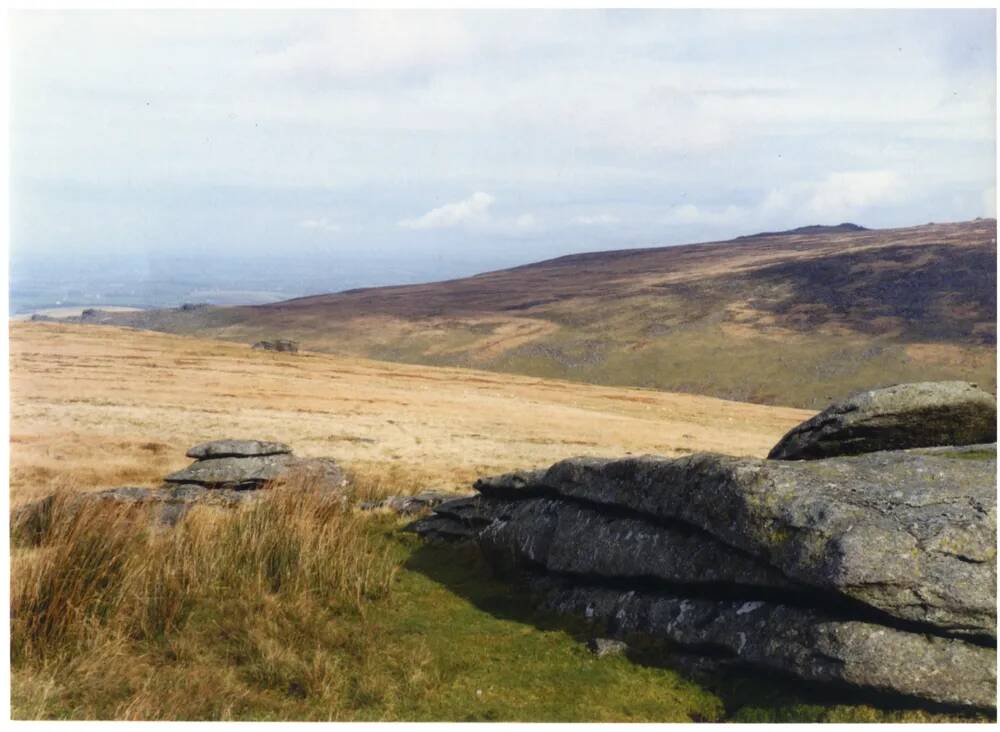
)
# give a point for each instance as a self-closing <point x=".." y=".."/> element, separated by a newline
<point x="108" y="616"/>
<point x="99" y="564"/>
<point x="95" y="407"/>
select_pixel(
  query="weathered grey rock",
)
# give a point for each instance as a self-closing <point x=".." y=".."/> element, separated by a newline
<point x="807" y="643"/>
<point x="318" y="473"/>
<point x="876" y="570"/>
<point x="237" y="448"/>
<point x="442" y="529"/>
<point x="468" y="509"/>
<point x="897" y="417"/>
<point x="512" y="485"/>
<point x="217" y="478"/>
<point x="167" y="504"/>
<point x="252" y="472"/>
<point x="236" y="472"/>
<point x="456" y="521"/>
<point x="909" y="534"/>
<point x="409" y="505"/>
<point x="569" y="538"/>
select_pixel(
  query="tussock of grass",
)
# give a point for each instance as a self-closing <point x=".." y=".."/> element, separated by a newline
<point x="374" y="482"/>
<point x="104" y="607"/>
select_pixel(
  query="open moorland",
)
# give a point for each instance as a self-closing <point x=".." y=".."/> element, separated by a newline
<point x="795" y="318"/>
<point x="293" y="610"/>
<point x="101" y="407"/>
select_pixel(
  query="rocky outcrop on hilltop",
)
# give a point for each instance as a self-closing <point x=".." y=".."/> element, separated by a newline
<point x="285" y="346"/>
<point x="225" y="474"/>
<point x="895" y="418"/>
<point x="874" y="570"/>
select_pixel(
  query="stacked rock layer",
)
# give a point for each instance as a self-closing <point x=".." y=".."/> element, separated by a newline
<point x="226" y="474"/>
<point x="876" y="570"/>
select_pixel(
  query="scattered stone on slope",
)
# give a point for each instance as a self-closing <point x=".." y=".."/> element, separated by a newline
<point x="237" y="448"/>
<point x="894" y="418"/>
<point x="285" y="346"/>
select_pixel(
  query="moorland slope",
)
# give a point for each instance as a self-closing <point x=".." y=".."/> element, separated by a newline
<point x="798" y="317"/>
<point x="102" y="407"/>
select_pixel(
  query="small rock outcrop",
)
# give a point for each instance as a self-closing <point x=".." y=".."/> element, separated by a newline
<point x="895" y="418"/>
<point x="284" y="346"/>
<point x="226" y="474"/>
<point x="250" y="464"/>
<point x="875" y="570"/>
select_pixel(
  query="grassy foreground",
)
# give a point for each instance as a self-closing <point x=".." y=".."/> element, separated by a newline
<point x="302" y="609"/>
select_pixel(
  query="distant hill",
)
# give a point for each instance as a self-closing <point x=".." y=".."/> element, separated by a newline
<point x="814" y="229"/>
<point x="794" y="317"/>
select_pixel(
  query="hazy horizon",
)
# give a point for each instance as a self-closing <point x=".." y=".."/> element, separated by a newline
<point x="160" y="154"/>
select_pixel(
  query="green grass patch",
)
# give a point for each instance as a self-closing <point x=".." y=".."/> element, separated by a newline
<point x="969" y="454"/>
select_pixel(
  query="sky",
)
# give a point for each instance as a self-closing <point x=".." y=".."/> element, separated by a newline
<point x="382" y="147"/>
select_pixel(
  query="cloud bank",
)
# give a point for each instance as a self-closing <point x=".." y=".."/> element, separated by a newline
<point x="490" y="138"/>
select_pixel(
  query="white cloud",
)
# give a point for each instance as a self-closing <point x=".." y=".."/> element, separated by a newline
<point x="838" y="197"/>
<point x="474" y="214"/>
<point x="321" y="224"/>
<point x="688" y="213"/>
<point x="474" y="209"/>
<point x="524" y="223"/>
<point x="990" y="202"/>
<point x="565" y="112"/>
<point x="846" y="193"/>
<point x="375" y="43"/>
<point x="602" y="219"/>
